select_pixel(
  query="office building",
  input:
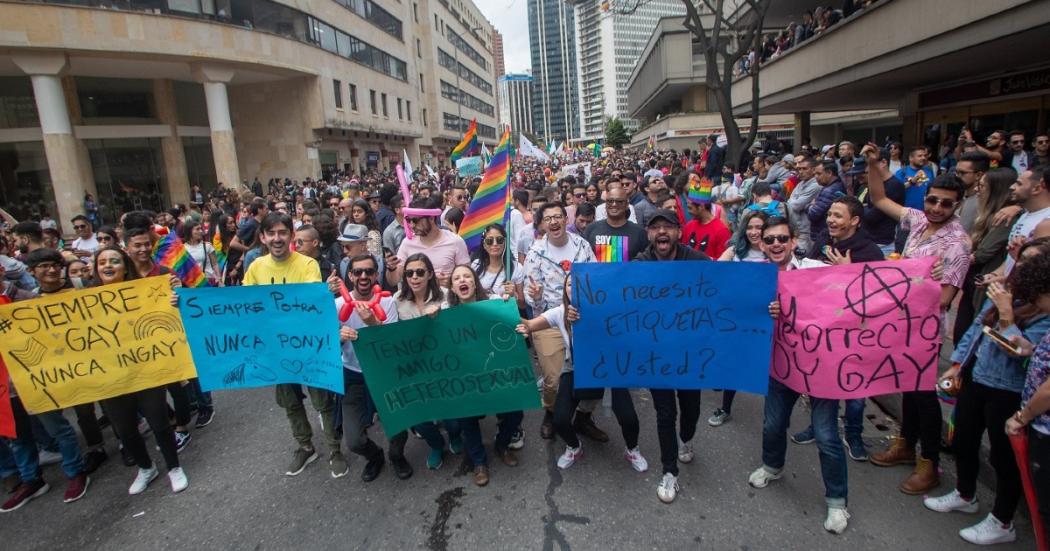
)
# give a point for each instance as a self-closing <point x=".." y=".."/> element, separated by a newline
<point x="555" y="107"/>
<point x="497" y="54"/>
<point x="515" y="103"/>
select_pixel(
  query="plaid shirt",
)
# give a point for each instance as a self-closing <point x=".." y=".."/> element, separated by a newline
<point x="544" y="270"/>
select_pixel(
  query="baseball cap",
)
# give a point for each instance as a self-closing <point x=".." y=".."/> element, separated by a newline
<point x="663" y="214"/>
<point x="789" y="158"/>
<point x="860" y="166"/>
<point x="353" y="233"/>
<point x="826" y="148"/>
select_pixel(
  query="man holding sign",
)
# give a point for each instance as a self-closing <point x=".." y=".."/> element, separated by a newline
<point x="664" y="234"/>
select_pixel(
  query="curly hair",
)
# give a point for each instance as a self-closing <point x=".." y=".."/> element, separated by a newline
<point x="1031" y="279"/>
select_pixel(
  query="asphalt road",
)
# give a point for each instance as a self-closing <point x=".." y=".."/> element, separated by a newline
<point x="239" y="498"/>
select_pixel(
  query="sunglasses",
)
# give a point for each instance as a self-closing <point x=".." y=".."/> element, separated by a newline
<point x="48" y="266"/>
<point x="946" y="203"/>
<point x="358" y="272"/>
<point x="770" y="239"/>
<point x="579" y="195"/>
<point x="79" y="227"/>
<point x="616" y="201"/>
<point x="419" y="272"/>
<point x="104" y="238"/>
<point x="497" y="240"/>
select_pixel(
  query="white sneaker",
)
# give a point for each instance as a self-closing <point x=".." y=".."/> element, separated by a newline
<point x="762" y="477"/>
<point x="668" y="488"/>
<point x="634" y="457"/>
<point x="178" y="479"/>
<point x="951" y="502"/>
<point x="685" y="452"/>
<point x="49" y="458"/>
<point x="837" y="520"/>
<point x="989" y="531"/>
<point x="569" y="457"/>
<point x="142" y="480"/>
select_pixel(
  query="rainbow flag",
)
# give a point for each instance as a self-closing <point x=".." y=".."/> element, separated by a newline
<point x="491" y="203"/>
<point x="172" y="254"/>
<point x="611" y="248"/>
<point x="469" y="145"/>
<point x="220" y="255"/>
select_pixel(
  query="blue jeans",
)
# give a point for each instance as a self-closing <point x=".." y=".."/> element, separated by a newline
<point x="470" y="428"/>
<point x="853" y="424"/>
<point x="8" y="466"/>
<point x="779" y="402"/>
<point x="24" y="447"/>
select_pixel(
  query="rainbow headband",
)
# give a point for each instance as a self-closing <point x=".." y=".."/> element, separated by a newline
<point x="699" y="191"/>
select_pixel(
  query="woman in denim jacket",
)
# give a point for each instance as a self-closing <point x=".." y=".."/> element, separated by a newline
<point x="991" y="392"/>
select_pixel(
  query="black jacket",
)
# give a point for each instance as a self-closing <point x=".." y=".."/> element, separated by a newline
<point x="681" y="253"/>
<point x="861" y="248"/>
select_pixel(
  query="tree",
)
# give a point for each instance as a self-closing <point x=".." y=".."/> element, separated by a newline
<point x="724" y="39"/>
<point x="615" y="134"/>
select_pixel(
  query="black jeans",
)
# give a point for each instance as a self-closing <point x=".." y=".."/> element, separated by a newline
<point x="727" y="400"/>
<point x="565" y="405"/>
<point x="88" y="424"/>
<point x="124" y="413"/>
<point x="666" y="417"/>
<point x="357" y="417"/>
<point x="982" y="408"/>
<point x="180" y="396"/>
<point x="921" y="422"/>
<point x="1039" y="463"/>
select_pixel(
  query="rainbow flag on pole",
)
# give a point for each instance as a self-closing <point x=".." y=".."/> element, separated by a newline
<point x="220" y="254"/>
<point x="469" y="144"/>
<point x="491" y="203"/>
<point x="170" y="252"/>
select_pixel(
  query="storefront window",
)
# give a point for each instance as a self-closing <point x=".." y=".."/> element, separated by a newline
<point x="115" y="100"/>
<point x="25" y="181"/>
<point x="17" y="106"/>
<point x="200" y="163"/>
<point x="128" y="174"/>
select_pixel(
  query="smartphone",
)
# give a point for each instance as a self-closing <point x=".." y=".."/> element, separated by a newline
<point x="1001" y="340"/>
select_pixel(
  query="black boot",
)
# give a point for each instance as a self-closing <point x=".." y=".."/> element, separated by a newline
<point x="584" y="425"/>
<point x="547" y="428"/>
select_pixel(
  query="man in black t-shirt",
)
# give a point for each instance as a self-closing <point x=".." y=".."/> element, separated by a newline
<point x="616" y="239"/>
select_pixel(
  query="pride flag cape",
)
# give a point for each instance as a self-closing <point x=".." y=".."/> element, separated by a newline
<point x="490" y="203"/>
<point x="220" y="254"/>
<point x="469" y="145"/>
<point x="172" y="254"/>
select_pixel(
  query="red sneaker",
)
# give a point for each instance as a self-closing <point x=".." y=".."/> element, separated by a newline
<point x="76" y="488"/>
<point x="26" y="492"/>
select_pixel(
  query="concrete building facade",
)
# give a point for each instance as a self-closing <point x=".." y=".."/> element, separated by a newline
<point x="136" y="102"/>
<point x="554" y="70"/>
<point x="515" y="102"/>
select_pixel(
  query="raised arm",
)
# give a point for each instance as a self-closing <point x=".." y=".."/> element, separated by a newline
<point x="877" y="176"/>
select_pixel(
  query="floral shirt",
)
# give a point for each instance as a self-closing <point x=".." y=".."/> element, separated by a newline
<point x="950" y="243"/>
<point x="1038" y="373"/>
<point x="547" y="265"/>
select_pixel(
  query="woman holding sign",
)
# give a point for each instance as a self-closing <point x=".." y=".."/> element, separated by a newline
<point x="113" y="265"/>
<point x="568" y="399"/>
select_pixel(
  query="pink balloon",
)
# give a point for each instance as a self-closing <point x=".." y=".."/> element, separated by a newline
<point x="406" y="196"/>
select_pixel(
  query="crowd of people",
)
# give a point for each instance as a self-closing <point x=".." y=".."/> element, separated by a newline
<point x="986" y="218"/>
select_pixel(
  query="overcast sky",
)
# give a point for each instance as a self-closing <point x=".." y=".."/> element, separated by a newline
<point x="510" y="18"/>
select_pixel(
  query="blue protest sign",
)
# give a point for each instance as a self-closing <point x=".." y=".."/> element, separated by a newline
<point x="469" y="166"/>
<point x="261" y="335"/>
<point x="680" y="325"/>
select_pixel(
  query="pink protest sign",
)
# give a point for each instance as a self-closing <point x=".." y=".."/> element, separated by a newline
<point x="858" y="330"/>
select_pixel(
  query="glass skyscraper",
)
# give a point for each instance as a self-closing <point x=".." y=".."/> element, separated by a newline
<point x="555" y="97"/>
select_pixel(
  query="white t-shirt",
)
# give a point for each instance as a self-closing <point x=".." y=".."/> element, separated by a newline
<point x="350" y="360"/>
<point x="90" y="244"/>
<point x="1024" y="227"/>
<point x="201" y="255"/>
<point x="492" y="282"/>
<point x="601" y="214"/>
<point x="523" y="241"/>
<point x="556" y="318"/>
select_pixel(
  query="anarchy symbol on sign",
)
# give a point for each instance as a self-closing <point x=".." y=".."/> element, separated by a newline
<point x="876" y="292"/>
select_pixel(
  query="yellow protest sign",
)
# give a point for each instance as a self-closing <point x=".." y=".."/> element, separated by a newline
<point x="85" y="345"/>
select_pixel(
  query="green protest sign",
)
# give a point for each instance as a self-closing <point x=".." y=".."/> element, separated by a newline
<point x="464" y="362"/>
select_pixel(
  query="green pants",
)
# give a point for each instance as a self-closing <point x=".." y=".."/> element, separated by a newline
<point x="289" y="397"/>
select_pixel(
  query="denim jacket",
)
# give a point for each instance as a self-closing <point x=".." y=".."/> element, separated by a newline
<point x="994" y="367"/>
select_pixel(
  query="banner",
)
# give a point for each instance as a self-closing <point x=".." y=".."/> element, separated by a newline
<point x="469" y="166"/>
<point x="858" y="330"/>
<point x="467" y="361"/>
<point x="570" y="170"/>
<point x="261" y="335"/>
<point x="529" y="149"/>
<point x="681" y="325"/>
<point x="84" y="345"/>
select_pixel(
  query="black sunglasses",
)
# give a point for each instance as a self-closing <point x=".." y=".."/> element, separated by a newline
<point x="495" y="240"/>
<point x="945" y="202"/>
<point x="358" y="272"/>
<point x="419" y="272"/>
<point x="770" y="239"/>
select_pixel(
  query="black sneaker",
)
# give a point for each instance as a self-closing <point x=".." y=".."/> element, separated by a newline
<point x="373" y="468"/>
<point x="401" y="467"/>
<point x="517" y="441"/>
<point x="94" y="459"/>
<point x="182" y="439"/>
<point x="204" y="418"/>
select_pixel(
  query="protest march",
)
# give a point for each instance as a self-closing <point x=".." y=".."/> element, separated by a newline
<point x="410" y="305"/>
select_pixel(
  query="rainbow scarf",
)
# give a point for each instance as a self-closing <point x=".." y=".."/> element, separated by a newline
<point x="469" y="145"/>
<point x="699" y="192"/>
<point x="491" y="202"/>
<point x="220" y="254"/>
<point x="172" y="254"/>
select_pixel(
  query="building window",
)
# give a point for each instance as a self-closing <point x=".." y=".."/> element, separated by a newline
<point x="450" y="92"/>
<point x="400" y="113"/>
<point x="372" y="98"/>
<point x="449" y="62"/>
<point x="421" y="83"/>
<point x="424" y="117"/>
<point x="415" y="12"/>
<point x="419" y="48"/>
<point x="353" y="97"/>
<point x="385" y="112"/>
<point x="337" y="89"/>
<point x="375" y="15"/>
<point x="462" y="46"/>
<point x="408" y="109"/>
